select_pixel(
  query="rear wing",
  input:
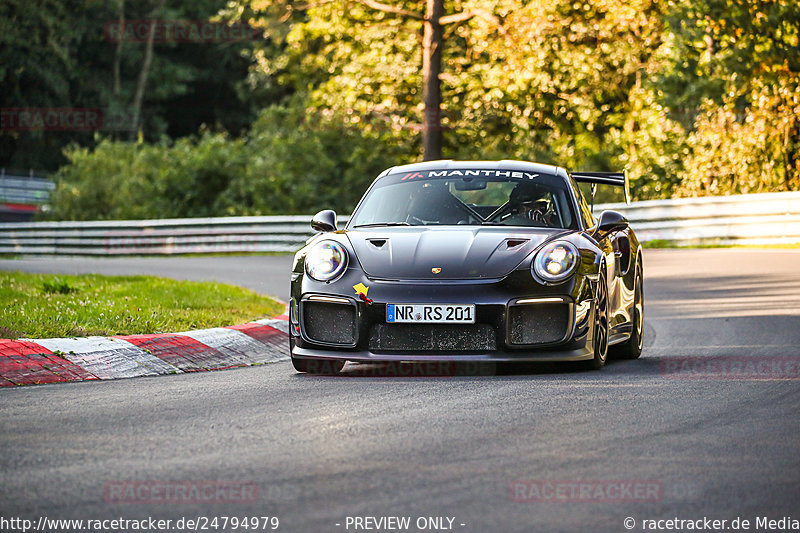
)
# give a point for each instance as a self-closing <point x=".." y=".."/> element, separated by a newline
<point x="619" y="179"/>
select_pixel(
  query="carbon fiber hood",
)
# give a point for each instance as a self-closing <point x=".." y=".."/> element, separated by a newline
<point x="473" y="252"/>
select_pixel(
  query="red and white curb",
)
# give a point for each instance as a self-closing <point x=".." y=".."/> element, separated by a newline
<point x="27" y="361"/>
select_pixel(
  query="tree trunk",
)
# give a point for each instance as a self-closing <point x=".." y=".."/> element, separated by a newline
<point x="118" y="51"/>
<point x="112" y="111"/>
<point x="144" y="72"/>
<point x="431" y="68"/>
<point x="791" y="181"/>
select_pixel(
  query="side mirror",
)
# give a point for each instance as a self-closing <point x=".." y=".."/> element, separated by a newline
<point x="611" y="221"/>
<point x="325" y="220"/>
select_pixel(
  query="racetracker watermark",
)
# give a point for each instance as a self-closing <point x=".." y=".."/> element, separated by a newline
<point x="65" y="119"/>
<point x="50" y="119"/>
<point x="731" y="367"/>
<point x="598" y="491"/>
<point x="178" y="31"/>
<point x="180" y="492"/>
<point x="192" y="523"/>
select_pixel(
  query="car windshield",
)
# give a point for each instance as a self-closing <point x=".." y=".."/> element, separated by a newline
<point x="470" y="197"/>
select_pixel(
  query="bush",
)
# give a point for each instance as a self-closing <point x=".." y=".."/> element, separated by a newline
<point x="299" y="164"/>
<point x="291" y="163"/>
<point x="124" y="180"/>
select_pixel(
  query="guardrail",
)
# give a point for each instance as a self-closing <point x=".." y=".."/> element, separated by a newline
<point x="156" y="237"/>
<point x="25" y="190"/>
<point x="747" y="219"/>
<point x="772" y="218"/>
<point x="22" y="196"/>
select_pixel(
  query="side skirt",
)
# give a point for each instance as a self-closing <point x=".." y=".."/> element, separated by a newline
<point x="620" y="333"/>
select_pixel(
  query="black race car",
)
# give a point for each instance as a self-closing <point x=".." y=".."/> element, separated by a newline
<point x="469" y="261"/>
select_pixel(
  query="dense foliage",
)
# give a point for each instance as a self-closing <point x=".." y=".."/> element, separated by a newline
<point x="696" y="97"/>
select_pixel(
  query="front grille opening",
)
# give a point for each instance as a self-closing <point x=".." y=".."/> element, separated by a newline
<point x="538" y="323"/>
<point x="330" y="323"/>
<point x="432" y="338"/>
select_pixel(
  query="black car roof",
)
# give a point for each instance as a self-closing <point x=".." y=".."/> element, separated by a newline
<point x="506" y="164"/>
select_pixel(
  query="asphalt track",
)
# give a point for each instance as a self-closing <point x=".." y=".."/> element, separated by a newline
<point x="321" y="449"/>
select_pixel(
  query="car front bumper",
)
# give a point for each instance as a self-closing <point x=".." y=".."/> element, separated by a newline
<point x="499" y="335"/>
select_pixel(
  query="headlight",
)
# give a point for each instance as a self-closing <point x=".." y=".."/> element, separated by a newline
<point x="556" y="261"/>
<point x="326" y="261"/>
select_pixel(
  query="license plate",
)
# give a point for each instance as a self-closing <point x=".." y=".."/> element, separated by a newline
<point x="430" y="313"/>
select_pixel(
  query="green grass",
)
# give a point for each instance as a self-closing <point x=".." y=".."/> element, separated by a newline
<point x="659" y="243"/>
<point x="662" y="243"/>
<point x="45" y="305"/>
<point x="197" y="254"/>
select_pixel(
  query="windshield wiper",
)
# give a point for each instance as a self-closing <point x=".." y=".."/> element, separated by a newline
<point x="375" y="224"/>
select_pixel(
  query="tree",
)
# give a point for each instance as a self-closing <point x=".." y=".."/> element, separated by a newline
<point x="36" y="41"/>
<point x="144" y="71"/>
<point x="432" y="19"/>
<point x="734" y="68"/>
<point x="56" y="54"/>
<point x="434" y="22"/>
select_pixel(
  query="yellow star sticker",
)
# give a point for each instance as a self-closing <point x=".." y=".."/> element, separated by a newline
<point x="361" y="289"/>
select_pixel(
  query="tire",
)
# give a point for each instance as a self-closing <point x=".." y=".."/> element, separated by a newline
<point x="632" y="348"/>
<point x="600" y="336"/>
<point x="317" y="366"/>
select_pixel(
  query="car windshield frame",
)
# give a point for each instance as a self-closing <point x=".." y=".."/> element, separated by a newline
<point x="560" y="209"/>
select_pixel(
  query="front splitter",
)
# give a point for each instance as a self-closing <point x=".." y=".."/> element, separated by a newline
<point x="581" y="354"/>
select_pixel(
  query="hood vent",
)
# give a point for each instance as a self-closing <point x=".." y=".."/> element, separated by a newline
<point x="513" y="243"/>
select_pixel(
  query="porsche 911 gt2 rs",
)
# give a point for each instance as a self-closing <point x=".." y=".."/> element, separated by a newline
<point x="469" y="261"/>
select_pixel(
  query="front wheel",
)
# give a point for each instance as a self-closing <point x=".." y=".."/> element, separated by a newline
<point x="317" y="366"/>
<point x="600" y="336"/>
